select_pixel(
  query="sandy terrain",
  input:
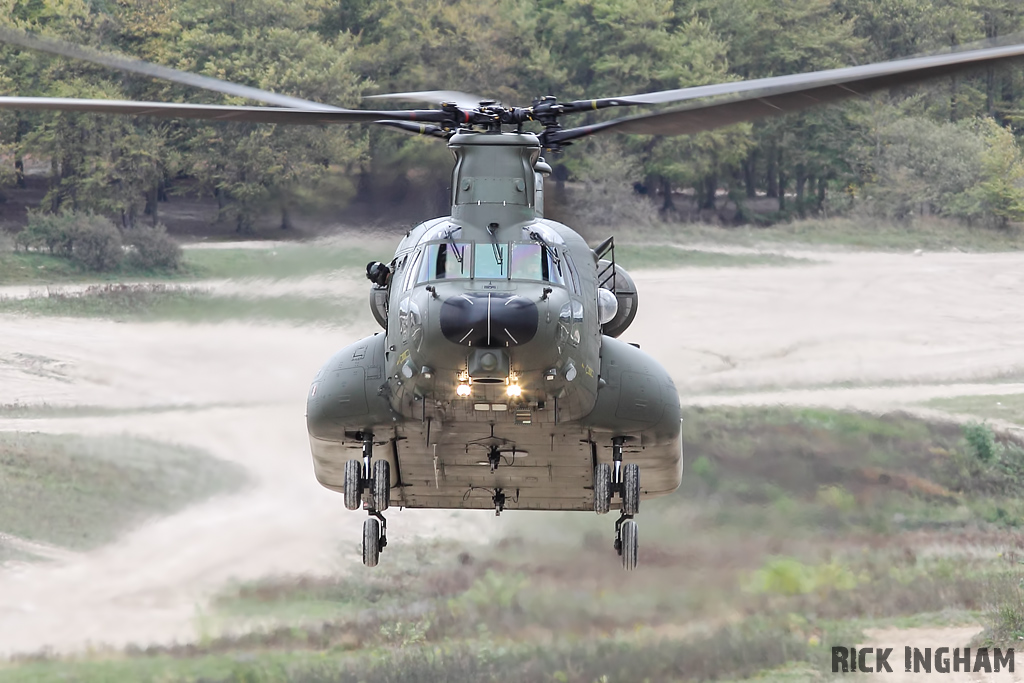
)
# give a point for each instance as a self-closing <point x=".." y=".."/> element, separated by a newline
<point x="924" y="326"/>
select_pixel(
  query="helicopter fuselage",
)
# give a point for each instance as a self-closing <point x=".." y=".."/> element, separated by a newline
<point x="493" y="354"/>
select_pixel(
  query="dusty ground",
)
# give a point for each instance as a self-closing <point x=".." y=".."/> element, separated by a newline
<point x="920" y="326"/>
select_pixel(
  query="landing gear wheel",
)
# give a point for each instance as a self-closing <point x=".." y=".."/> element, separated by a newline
<point x="630" y="489"/>
<point x="602" y="488"/>
<point x="353" y="484"/>
<point x="371" y="542"/>
<point x="381" y="485"/>
<point x="630" y="543"/>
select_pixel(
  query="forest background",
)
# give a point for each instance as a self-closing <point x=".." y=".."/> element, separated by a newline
<point x="950" y="148"/>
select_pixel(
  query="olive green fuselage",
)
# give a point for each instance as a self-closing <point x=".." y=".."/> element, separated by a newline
<point x="492" y="345"/>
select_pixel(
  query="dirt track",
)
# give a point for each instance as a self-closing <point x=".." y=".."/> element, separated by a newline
<point x="738" y="335"/>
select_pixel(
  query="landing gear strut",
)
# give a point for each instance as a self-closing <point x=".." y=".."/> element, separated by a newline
<point x="499" y="502"/>
<point x="369" y="483"/>
<point x="624" y="480"/>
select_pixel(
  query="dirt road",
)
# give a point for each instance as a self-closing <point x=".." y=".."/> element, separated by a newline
<point x="923" y="326"/>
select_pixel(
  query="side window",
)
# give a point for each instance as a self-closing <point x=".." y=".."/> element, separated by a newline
<point x="572" y="276"/>
<point x="552" y="268"/>
<point x="413" y="263"/>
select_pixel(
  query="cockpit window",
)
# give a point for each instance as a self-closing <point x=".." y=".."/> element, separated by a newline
<point x="490" y="259"/>
<point x="445" y="261"/>
<point x="526" y="262"/>
<point x="536" y="262"/>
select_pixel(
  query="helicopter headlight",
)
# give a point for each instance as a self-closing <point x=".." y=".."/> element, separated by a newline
<point x="514" y="390"/>
<point x="463" y="390"/>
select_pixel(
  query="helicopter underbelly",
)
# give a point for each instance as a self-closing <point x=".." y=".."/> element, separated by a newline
<point x="550" y="468"/>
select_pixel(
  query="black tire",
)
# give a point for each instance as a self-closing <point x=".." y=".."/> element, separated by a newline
<point x="630" y="544"/>
<point x="371" y="542"/>
<point x="602" y="488"/>
<point x="381" y="485"/>
<point x="353" y="484"/>
<point x="631" y="488"/>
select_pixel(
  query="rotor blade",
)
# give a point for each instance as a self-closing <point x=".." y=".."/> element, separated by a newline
<point x="64" y="49"/>
<point x="776" y="96"/>
<point x="167" y="110"/>
<point x="463" y="100"/>
<point x="963" y="58"/>
<point x="417" y="128"/>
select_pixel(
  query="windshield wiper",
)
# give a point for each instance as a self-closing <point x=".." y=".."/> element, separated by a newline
<point x="455" y="248"/>
<point x="536" y="237"/>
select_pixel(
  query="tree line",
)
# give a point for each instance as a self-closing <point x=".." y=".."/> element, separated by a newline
<point x="949" y="147"/>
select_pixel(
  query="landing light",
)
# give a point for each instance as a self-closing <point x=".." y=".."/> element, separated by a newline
<point x="514" y="390"/>
<point x="463" y="390"/>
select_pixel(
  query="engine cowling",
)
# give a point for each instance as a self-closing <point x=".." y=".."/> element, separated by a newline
<point x="626" y="296"/>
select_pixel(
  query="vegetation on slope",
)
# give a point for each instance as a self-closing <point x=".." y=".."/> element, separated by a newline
<point x="792" y="531"/>
<point x="81" y="492"/>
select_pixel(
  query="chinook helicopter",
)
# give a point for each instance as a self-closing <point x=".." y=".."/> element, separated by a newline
<point x="499" y="380"/>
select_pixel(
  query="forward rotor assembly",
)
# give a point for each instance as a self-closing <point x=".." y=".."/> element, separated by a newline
<point x="707" y="107"/>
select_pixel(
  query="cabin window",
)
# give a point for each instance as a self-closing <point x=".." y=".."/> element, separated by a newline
<point x="535" y="262"/>
<point x="572" y="275"/>
<point x="444" y="261"/>
<point x="491" y="260"/>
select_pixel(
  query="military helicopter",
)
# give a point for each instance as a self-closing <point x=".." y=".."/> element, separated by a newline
<point x="498" y="380"/>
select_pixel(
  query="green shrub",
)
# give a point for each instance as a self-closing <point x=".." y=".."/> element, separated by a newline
<point x="981" y="440"/>
<point x="91" y="241"/>
<point x="96" y="243"/>
<point x="153" y="249"/>
<point x="51" y="231"/>
<point x="790" y="576"/>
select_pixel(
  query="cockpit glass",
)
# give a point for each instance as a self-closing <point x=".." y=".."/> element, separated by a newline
<point x="445" y="261"/>
<point x="535" y="262"/>
<point x="526" y="262"/>
<point x="490" y="259"/>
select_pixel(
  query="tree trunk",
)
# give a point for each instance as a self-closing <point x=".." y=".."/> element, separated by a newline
<point x="822" y="185"/>
<point x="750" y="174"/>
<point x="801" y="182"/>
<point x="782" y="184"/>
<point x="773" y="172"/>
<point x="152" y="200"/>
<point x="710" y="190"/>
<point x="286" y="221"/>
<point x="667" y="203"/>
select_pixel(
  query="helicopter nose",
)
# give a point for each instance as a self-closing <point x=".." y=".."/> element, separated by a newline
<point x="475" y="319"/>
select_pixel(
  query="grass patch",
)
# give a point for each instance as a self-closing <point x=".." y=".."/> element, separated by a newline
<point x="81" y="492"/>
<point x="638" y="257"/>
<point x="861" y="233"/>
<point x="36" y="268"/>
<point x="1009" y="407"/>
<point x="155" y="302"/>
<point x="43" y="411"/>
<point x="287" y="261"/>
